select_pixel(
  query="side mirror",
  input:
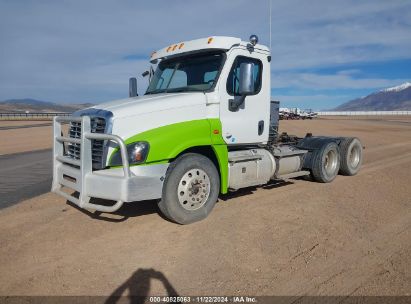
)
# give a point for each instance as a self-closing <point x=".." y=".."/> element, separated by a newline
<point x="132" y="87"/>
<point x="245" y="86"/>
<point x="246" y="81"/>
<point x="148" y="73"/>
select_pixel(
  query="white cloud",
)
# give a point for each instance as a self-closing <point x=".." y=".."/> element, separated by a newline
<point x="329" y="82"/>
<point x="74" y="50"/>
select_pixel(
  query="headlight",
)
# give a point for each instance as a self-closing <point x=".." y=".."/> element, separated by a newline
<point x="136" y="152"/>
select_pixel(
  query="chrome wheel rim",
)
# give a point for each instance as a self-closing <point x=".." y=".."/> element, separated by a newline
<point x="193" y="189"/>
<point x="354" y="156"/>
<point x="330" y="162"/>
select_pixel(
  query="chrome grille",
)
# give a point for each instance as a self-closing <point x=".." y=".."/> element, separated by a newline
<point x="98" y="125"/>
<point x="73" y="150"/>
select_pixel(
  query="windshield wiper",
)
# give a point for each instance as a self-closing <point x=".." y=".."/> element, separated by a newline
<point x="177" y="90"/>
<point x="155" y="92"/>
<point x="185" y="89"/>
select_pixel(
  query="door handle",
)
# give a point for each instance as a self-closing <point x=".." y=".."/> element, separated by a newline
<point x="260" y="127"/>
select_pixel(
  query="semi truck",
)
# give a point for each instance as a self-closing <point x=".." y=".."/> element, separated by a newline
<point x="205" y="126"/>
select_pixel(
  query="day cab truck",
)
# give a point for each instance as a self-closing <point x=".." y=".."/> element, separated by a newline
<point x="205" y="126"/>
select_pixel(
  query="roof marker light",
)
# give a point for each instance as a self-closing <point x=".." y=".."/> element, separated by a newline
<point x="169" y="48"/>
<point x="253" y="39"/>
<point x="152" y="54"/>
<point x="174" y="47"/>
<point x="181" y="45"/>
<point x="210" y="40"/>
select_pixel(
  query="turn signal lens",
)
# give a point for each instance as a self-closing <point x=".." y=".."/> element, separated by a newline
<point x="210" y="40"/>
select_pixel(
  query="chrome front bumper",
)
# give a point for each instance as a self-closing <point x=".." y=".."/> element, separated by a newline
<point x="126" y="184"/>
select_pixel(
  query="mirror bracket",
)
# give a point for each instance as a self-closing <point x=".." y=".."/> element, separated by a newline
<point x="233" y="104"/>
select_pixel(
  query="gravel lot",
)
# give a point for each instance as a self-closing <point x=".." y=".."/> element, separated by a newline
<point x="15" y="140"/>
<point x="350" y="237"/>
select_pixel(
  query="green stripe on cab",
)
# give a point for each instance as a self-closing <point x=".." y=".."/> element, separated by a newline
<point x="167" y="142"/>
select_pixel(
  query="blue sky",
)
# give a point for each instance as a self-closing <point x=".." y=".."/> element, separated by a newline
<point x="324" y="52"/>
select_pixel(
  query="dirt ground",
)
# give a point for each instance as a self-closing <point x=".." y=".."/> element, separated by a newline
<point x="8" y="123"/>
<point x="350" y="237"/>
<point x="24" y="139"/>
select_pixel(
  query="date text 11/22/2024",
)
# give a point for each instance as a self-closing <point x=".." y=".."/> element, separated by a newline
<point x="202" y="299"/>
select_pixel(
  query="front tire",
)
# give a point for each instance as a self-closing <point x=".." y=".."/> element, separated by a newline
<point x="190" y="189"/>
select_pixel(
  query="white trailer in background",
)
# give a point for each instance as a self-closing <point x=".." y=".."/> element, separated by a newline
<point x="296" y="113"/>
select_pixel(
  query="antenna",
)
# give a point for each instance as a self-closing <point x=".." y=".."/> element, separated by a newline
<point x="270" y="21"/>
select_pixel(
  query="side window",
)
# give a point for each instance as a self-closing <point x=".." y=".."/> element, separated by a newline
<point x="234" y="76"/>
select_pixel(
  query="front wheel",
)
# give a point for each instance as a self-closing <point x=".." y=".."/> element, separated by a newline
<point x="190" y="189"/>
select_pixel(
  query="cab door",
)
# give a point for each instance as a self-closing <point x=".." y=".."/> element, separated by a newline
<point x="247" y="124"/>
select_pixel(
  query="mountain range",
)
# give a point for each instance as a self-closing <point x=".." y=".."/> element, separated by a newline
<point x="38" y="106"/>
<point x="391" y="99"/>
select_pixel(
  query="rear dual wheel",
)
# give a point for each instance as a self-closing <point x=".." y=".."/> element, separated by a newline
<point x="326" y="163"/>
<point x="331" y="159"/>
<point x="351" y="156"/>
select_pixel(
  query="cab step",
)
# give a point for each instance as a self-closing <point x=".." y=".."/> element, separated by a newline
<point x="294" y="174"/>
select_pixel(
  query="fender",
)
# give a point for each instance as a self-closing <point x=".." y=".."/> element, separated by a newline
<point x="167" y="142"/>
<point x="312" y="144"/>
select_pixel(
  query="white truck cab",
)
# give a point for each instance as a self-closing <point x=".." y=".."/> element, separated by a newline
<point x="205" y="125"/>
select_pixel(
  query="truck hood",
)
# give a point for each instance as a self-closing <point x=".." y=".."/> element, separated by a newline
<point x="151" y="103"/>
<point x="132" y="116"/>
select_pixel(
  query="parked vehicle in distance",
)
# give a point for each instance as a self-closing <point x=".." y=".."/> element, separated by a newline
<point x="296" y="113"/>
<point x="205" y="126"/>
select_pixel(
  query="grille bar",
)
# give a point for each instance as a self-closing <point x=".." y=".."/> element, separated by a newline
<point x="98" y="125"/>
<point x="72" y="173"/>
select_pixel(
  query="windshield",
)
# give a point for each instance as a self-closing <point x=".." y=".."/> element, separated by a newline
<point x="184" y="74"/>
